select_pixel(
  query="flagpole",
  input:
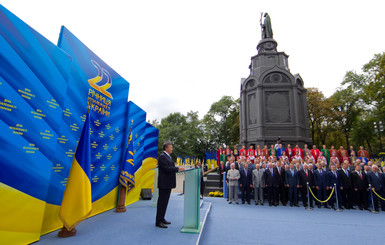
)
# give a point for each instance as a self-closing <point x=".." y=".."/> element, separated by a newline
<point x="121" y="208"/>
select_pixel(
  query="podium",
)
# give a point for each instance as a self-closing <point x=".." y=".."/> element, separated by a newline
<point x="191" y="217"/>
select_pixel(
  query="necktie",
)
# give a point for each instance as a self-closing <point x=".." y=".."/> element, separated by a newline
<point x="306" y="173"/>
<point x="335" y="174"/>
<point x="320" y="172"/>
<point x="360" y="175"/>
<point x="346" y="172"/>
<point x="246" y="172"/>
<point x="271" y="171"/>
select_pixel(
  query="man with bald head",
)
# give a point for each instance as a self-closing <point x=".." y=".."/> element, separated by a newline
<point x="377" y="182"/>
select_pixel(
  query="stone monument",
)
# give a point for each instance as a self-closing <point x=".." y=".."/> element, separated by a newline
<point x="273" y="101"/>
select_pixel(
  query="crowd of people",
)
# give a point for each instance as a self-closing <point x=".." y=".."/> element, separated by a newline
<point x="330" y="178"/>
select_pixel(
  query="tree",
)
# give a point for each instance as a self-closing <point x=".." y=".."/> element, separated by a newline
<point x="346" y="110"/>
<point x="220" y="119"/>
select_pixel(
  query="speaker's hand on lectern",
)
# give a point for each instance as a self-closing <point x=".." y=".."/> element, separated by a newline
<point x="181" y="169"/>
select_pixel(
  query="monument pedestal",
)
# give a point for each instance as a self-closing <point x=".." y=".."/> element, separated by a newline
<point x="273" y="101"/>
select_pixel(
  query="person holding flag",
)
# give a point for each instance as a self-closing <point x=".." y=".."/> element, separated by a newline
<point x="77" y="199"/>
<point x="127" y="173"/>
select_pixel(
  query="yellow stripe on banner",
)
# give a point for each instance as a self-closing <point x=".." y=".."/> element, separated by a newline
<point x="105" y="203"/>
<point x="76" y="204"/>
<point x="144" y="178"/>
<point x="52" y="221"/>
<point x="21" y="216"/>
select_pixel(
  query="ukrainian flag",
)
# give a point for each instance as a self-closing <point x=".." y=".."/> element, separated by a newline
<point x="77" y="201"/>
<point x="127" y="174"/>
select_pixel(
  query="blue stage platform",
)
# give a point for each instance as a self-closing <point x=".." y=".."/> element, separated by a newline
<point x="229" y="224"/>
<point x="136" y="226"/>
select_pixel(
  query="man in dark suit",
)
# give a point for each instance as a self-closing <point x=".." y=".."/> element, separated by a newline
<point x="280" y="172"/>
<point x="305" y="176"/>
<point x="320" y="184"/>
<point x="334" y="177"/>
<point x="360" y="186"/>
<point x="377" y="182"/>
<point x="292" y="182"/>
<point x="347" y="192"/>
<point x="245" y="182"/>
<point x="166" y="181"/>
<point x="271" y="184"/>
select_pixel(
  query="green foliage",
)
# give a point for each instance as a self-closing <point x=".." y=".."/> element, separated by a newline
<point x="348" y="116"/>
<point x="192" y="137"/>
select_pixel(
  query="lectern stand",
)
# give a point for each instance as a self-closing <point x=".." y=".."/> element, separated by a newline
<point x="191" y="219"/>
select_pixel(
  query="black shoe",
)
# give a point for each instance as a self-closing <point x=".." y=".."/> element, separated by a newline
<point x="237" y="203"/>
<point x="248" y="203"/>
<point x="296" y="205"/>
<point x="352" y="208"/>
<point x="256" y="203"/>
<point x="284" y="204"/>
<point x="341" y="208"/>
<point x="262" y="203"/>
<point x="166" y="222"/>
<point x="361" y="208"/>
<point x="270" y="204"/>
<point x="161" y="225"/>
<point x="230" y="202"/>
<point x="327" y="207"/>
<point x="319" y="206"/>
<point x="243" y="202"/>
<point x="311" y="206"/>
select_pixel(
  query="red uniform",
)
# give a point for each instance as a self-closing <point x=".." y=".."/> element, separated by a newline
<point x="289" y="153"/>
<point x="315" y="153"/>
<point x="298" y="149"/>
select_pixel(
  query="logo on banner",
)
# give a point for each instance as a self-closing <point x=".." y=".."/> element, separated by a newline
<point x="102" y="82"/>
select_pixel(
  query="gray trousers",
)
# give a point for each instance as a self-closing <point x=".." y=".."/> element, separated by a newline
<point x="258" y="194"/>
<point x="233" y="193"/>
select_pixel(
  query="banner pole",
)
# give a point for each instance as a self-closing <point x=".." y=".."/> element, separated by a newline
<point x="308" y="197"/>
<point x="371" y="195"/>
<point x="338" y="205"/>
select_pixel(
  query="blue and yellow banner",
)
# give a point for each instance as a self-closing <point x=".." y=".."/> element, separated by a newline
<point x="43" y="89"/>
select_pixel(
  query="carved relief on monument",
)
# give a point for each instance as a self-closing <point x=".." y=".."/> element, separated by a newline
<point x="252" y="109"/>
<point x="250" y="84"/>
<point x="276" y="77"/>
<point x="277" y="107"/>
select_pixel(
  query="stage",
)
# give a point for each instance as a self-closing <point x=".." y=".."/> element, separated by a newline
<point x="135" y="226"/>
<point x="229" y="224"/>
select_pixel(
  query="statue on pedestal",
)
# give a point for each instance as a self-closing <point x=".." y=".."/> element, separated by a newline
<point x="267" y="31"/>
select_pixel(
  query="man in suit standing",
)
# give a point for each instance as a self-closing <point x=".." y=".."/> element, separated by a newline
<point x="280" y="172"/>
<point x="166" y="181"/>
<point x="347" y="192"/>
<point x="334" y="177"/>
<point x="360" y="186"/>
<point x="305" y="177"/>
<point x="320" y="184"/>
<point x="377" y="182"/>
<point x="292" y="182"/>
<point x="271" y="184"/>
<point x="232" y="181"/>
<point x="258" y="184"/>
<point x="245" y="182"/>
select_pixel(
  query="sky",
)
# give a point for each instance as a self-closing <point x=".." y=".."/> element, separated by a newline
<point x="181" y="56"/>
